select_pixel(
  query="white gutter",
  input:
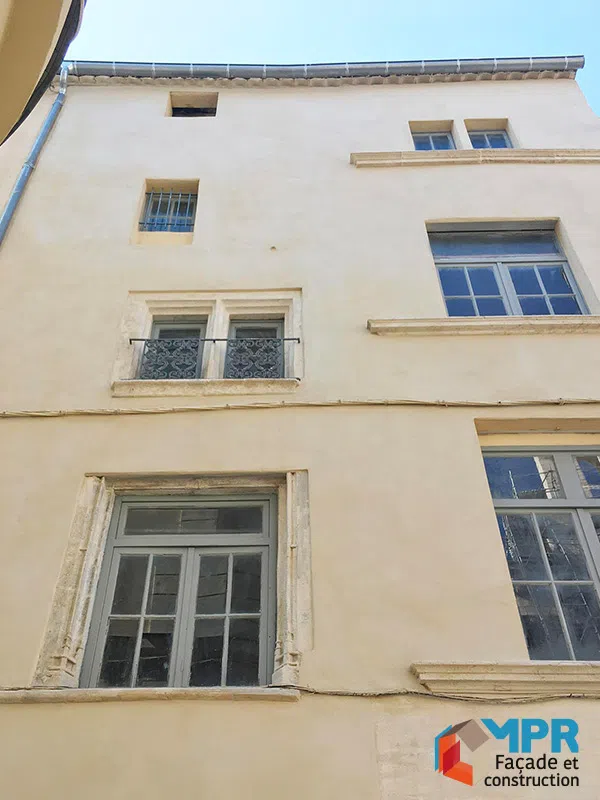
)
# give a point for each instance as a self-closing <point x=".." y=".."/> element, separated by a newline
<point x="34" y="154"/>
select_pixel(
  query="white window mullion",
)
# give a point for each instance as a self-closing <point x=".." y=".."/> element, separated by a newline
<point x="508" y="290"/>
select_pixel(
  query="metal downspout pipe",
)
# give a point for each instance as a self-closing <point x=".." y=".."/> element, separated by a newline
<point x="34" y="154"/>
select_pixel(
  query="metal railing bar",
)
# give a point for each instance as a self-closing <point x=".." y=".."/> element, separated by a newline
<point x="195" y="339"/>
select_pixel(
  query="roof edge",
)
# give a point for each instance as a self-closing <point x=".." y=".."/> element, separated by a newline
<point x="132" y="69"/>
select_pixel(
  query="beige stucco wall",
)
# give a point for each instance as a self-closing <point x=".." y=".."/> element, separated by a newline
<point x="407" y="561"/>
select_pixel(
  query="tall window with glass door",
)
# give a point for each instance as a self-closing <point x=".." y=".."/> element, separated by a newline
<point x="186" y="594"/>
<point x="548" y="511"/>
<point x="503" y="273"/>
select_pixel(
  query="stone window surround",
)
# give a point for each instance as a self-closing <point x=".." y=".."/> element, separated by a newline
<point x="509" y="680"/>
<point x="61" y="654"/>
<point x="144" y="308"/>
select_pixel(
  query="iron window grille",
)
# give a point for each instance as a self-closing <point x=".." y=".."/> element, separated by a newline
<point x="433" y="141"/>
<point x="490" y="140"/>
<point x="254" y="349"/>
<point x="505" y="273"/>
<point x="186" y="594"/>
<point x="169" y="211"/>
<point x="174" y="353"/>
<point x="548" y="511"/>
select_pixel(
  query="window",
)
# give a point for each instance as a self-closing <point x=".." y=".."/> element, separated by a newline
<point x="193" y="104"/>
<point x="174" y="352"/>
<point x="255" y="349"/>
<point x="210" y="342"/>
<point x="548" y="511"/>
<point x="492" y="140"/>
<point x="498" y="273"/>
<point x="433" y="141"/>
<point x="166" y="210"/>
<point x="185" y="595"/>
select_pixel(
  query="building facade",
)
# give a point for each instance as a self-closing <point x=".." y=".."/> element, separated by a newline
<point x="301" y="435"/>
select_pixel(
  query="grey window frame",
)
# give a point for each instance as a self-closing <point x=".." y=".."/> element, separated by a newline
<point x="422" y="135"/>
<point x="249" y="322"/>
<point x="487" y="133"/>
<point x="149" y="220"/>
<point x="574" y="502"/>
<point x="501" y="266"/>
<point x="190" y="546"/>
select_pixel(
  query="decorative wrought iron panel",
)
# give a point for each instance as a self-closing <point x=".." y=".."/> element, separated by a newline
<point x="254" y="358"/>
<point x="171" y="359"/>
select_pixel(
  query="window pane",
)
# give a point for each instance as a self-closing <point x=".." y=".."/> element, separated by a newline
<point x="245" y="589"/>
<point x="179" y="333"/>
<point x="207" y="653"/>
<point x="554" y="280"/>
<point x="256" y="333"/>
<point x="441" y="141"/>
<point x="119" y="652"/>
<point x="235" y="519"/>
<point x="460" y="308"/>
<point x="522" y="548"/>
<point x="494" y="243"/>
<point x="143" y="521"/>
<point x="596" y="521"/>
<point x="588" y="470"/>
<point x="491" y="307"/>
<point x="212" y="585"/>
<point x="523" y="477"/>
<point x="478" y="140"/>
<point x="454" y="282"/>
<point x="242" y="659"/>
<point x="155" y="652"/>
<point x="200" y="520"/>
<point x="483" y="281"/>
<point x="565" y="305"/>
<point x="525" y="280"/>
<point x="541" y="624"/>
<point x="582" y="614"/>
<point x="533" y="306"/>
<point x="497" y="140"/>
<point x="563" y="548"/>
<point x="422" y="143"/>
<point x="129" y="589"/>
<point x="164" y="585"/>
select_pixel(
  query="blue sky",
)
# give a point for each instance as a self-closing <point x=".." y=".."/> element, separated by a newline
<point x="283" y="31"/>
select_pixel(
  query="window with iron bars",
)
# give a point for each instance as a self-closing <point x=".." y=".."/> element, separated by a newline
<point x="169" y="211"/>
<point x="255" y="348"/>
<point x="548" y="510"/>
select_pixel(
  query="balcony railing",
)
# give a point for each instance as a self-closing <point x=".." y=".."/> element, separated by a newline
<point x="181" y="359"/>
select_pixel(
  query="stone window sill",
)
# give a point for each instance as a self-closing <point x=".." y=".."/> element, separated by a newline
<point x="511" y="679"/>
<point x="163" y="237"/>
<point x="431" y="158"/>
<point x="35" y="695"/>
<point x="193" y="388"/>
<point x="472" y="326"/>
